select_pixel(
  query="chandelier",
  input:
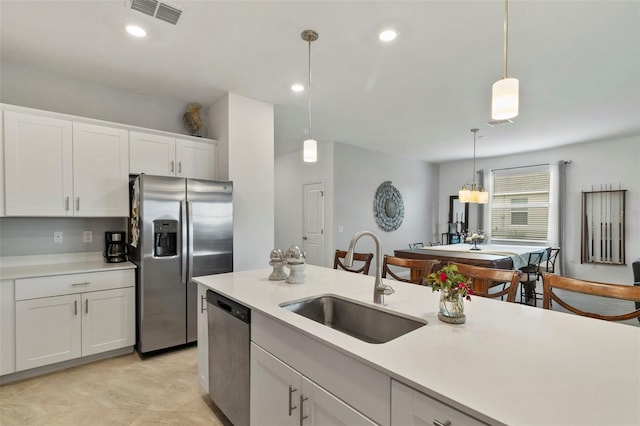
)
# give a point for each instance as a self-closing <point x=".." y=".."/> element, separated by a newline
<point x="466" y="195"/>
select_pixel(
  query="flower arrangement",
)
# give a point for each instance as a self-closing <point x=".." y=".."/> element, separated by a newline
<point x="448" y="278"/>
<point x="475" y="237"/>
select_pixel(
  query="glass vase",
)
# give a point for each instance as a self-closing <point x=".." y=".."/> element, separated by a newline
<point x="451" y="307"/>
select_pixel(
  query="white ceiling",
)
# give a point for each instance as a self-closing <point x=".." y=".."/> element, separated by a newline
<point x="578" y="63"/>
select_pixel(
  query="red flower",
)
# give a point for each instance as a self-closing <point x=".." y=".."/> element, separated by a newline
<point x="443" y="277"/>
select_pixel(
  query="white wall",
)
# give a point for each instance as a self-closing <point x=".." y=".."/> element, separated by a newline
<point x="291" y="173"/>
<point x="35" y="88"/>
<point x="614" y="162"/>
<point x="249" y="127"/>
<point x="357" y="175"/>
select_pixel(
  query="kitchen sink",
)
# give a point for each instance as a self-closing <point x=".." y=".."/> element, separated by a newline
<point x="367" y="323"/>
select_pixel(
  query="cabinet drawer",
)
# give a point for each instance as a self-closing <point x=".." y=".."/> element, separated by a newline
<point x="412" y="408"/>
<point x="31" y="288"/>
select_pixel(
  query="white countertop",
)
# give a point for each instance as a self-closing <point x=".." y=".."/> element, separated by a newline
<point x="16" y="267"/>
<point x="509" y="363"/>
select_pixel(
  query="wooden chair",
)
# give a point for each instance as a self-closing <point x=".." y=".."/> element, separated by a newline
<point x="482" y="279"/>
<point x="357" y="257"/>
<point x="415" y="245"/>
<point x="551" y="282"/>
<point x="418" y="268"/>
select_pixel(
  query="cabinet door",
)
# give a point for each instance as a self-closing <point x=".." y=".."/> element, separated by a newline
<point x="108" y="320"/>
<point x="195" y="159"/>
<point x="1" y="164"/>
<point x="152" y="154"/>
<point x="38" y="165"/>
<point x="100" y="170"/>
<point x="47" y="331"/>
<point x="203" y="340"/>
<point x="319" y="407"/>
<point x="7" y="328"/>
<point x="412" y="408"/>
<point x="275" y="390"/>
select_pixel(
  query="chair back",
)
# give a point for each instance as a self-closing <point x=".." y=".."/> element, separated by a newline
<point x="415" y="245"/>
<point x="531" y="270"/>
<point x="552" y="257"/>
<point x="483" y="279"/>
<point x="418" y="268"/>
<point x="362" y="268"/>
<point x="551" y="283"/>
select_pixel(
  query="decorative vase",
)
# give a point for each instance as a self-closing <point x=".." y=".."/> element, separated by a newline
<point x="451" y="308"/>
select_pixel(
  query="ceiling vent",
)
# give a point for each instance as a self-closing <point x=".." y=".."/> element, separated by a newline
<point x="159" y="10"/>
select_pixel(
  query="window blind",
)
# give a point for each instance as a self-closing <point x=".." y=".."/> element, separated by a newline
<point x="520" y="203"/>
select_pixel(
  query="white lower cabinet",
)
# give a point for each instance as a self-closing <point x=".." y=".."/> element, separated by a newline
<point x="412" y="408"/>
<point x="7" y="327"/>
<point x="51" y="327"/>
<point x="203" y="340"/>
<point x="282" y="396"/>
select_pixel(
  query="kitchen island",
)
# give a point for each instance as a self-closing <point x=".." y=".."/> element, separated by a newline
<point x="508" y="364"/>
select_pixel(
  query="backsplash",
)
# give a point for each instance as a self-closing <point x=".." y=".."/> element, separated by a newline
<point x="20" y="236"/>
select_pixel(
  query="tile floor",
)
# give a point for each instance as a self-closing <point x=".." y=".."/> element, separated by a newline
<point x="159" y="390"/>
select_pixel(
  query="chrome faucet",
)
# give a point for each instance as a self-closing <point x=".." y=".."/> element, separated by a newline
<point x="379" y="289"/>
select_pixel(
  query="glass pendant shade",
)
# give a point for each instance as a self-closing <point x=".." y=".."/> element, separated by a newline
<point x="464" y="194"/>
<point x="505" y="99"/>
<point x="483" y="197"/>
<point x="310" y="151"/>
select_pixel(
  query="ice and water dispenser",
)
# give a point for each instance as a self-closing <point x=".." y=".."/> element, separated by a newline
<point x="165" y="238"/>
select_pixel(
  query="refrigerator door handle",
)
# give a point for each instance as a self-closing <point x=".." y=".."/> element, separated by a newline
<point x="184" y="238"/>
<point x="190" y="214"/>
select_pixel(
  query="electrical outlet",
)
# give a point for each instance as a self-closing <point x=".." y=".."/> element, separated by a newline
<point x="87" y="236"/>
<point x="340" y="228"/>
<point x="57" y="237"/>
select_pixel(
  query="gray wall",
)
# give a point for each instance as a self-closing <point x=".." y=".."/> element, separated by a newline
<point x="23" y="236"/>
<point x="615" y="162"/>
<point x="35" y="88"/>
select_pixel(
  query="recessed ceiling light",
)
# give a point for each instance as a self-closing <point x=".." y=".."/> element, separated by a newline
<point x="136" y="31"/>
<point x="388" y="35"/>
<point x="297" y="87"/>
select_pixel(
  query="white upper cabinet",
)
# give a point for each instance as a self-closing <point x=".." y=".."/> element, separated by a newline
<point x="168" y="156"/>
<point x="38" y="165"/>
<point x="57" y="167"/>
<point x="100" y="170"/>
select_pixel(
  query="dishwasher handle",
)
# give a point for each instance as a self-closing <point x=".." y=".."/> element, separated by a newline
<point x="229" y="306"/>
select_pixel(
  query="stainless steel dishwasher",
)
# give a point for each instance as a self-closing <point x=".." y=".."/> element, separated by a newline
<point x="229" y="356"/>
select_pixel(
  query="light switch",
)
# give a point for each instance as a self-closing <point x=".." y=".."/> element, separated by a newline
<point x="340" y="228"/>
<point x="57" y="237"/>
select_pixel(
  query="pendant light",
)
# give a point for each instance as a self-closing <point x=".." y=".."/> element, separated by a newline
<point x="310" y="147"/>
<point x="505" y="92"/>
<point x="466" y="195"/>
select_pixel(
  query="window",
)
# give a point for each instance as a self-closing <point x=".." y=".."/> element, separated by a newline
<point x="520" y="204"/>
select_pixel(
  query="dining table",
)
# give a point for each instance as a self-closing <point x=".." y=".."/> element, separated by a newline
<point x="497" y="256"/>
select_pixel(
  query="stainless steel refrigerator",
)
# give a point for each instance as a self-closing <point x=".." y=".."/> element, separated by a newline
<point x="179" y="229"/>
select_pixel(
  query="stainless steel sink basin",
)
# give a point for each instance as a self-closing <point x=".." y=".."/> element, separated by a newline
<point x="364" y="322"/>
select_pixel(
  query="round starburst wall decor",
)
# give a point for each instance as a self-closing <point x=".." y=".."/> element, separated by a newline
<point x="388" y="207"/>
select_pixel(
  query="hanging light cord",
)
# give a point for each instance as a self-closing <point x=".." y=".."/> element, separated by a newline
<point x="309" y="98"/>
<point x="506" y="34"/>
<point x="475" y="132"/>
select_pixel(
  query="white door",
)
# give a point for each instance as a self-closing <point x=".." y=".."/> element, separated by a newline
<point x="48" y="330"/>
<point x="152" y="154"/>
<point x="108" y="320"/>
<point x="321" y="408"/>
<point x="313" y="223"/>
<point x="195" y="159"/>
<point x="100" y="170"/>
<point x="275" y="390"/>
<point x="38" y="165"/>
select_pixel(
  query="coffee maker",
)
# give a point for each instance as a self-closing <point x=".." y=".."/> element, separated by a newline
<point x="115" y="247"/>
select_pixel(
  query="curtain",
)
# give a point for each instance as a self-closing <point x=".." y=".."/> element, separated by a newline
<point x="562" y="200"/>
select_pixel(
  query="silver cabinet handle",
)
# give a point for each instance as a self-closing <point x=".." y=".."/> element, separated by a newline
<point x="291" y="406"/>
<point x="302" y="416"/>
<point x="86" y="306"/>
<point x="75" y="307"/>
<point x="180" y="167"/>
<point x="78" y="203"/>
<point x="203" y="307"/>
<point x="66" y="203"/>
<point x="77" y="284"/>
<point x="439" y="423"/>
<point x="172" y="167"/>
